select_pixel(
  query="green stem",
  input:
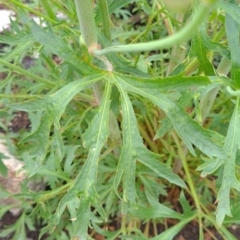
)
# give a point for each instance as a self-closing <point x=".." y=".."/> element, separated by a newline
<point x="232" y="92"/>
<point x="144" y="34"/>
<point x="105" y="19"/>
<point x="178" y="51"/>
<point x="33" y="11"/>
<point x="24" y="96"/>
<point x="52" y="194"/>
<point x="47" y="8"/>
<point x="26" y="73"/>
<point x="89" y="33"/>
<point x="190" y="182"/>
<point x="167" y="20"/>
<point x="184" y="34"/>
<point x="86" y="22"/>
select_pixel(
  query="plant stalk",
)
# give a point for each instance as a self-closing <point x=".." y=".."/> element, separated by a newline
<point x="89" y="34"/>
<point x="86" y="22"/>
<point x="178" y="51"/>
<point x="23" y="6"/>
<point x="105" y="18"/>
<point x="189" y="181"/>
<point x="183" y="35"/>
<point x="26" y="73"/>
<point x="48" y="9"/>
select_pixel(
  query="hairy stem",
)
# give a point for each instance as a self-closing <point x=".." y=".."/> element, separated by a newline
<point x="89" y="34"/>
<point x="86" y="22"/>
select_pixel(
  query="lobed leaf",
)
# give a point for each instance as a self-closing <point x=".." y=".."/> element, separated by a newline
<point x="233" y="36"/>
<point x="209" y="166"/>
<point x="55" y="44"/>
<point x="80" y="226"/>
<point x="127" y="161"/>
<point x="231" y="9"/>
<point x="170" y="233"/>
<point x="157" y="210"/>
<point x="200" y="51"/>
<point x="148" y="158"/>
<point x="177" y="82"/>
<point x="183" y="124"/>
<point x="211" y="45"/>
<point x="94" y="138"/>
<point x="187" y="209"/>
<point x="134" y="149"/>
<point x="53" y="106"/>
<point x="166" y="125"/>
<point x="229" y="179"/>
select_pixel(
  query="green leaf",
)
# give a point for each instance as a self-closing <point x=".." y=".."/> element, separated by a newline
<point x="182" y="123"/>
<point x="19" y="49"/>
<point x="209" y="166"/>
<point x="211" y="45"/>
<point x="187" y="209"/>
<point x="229" y="177"/>
<point x="21" y="38"/>
<point x="69" y="158"/>
<point x="156" y="210"/>
<point x="57" y="141"/>
<point x="94" y="138"/>
<point x="127" y="162"/>
<point x="80" y="226"/>
<point x="84" y="185"/>
<point x="166" y="125"/>
<point x="55" y="44"/>
<point x="3" y="168"/>
<point x="200" y="51"/>
<point x="111" y="235"/>
<point x="233" y="36"/>
<point x="227" y="233"/>
<point x="153" y="212"/>
<point x="134" y="149"/>
<point x="53" y="106"/>
<point x="202" y="138"/>
<point x="231" y="9"/>
<point x="172" y="83"/>
<point x="149" y="159"/>
<point x="170" y="233"/>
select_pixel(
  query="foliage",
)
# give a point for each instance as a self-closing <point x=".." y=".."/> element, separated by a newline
<point x="114" y="129"/>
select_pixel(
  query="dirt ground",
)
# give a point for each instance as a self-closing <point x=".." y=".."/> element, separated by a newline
<point x="189" y="232"/>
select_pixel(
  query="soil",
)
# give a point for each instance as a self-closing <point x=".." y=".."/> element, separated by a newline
<point x="189" y="232"/>
<point x="8" y="219"/>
